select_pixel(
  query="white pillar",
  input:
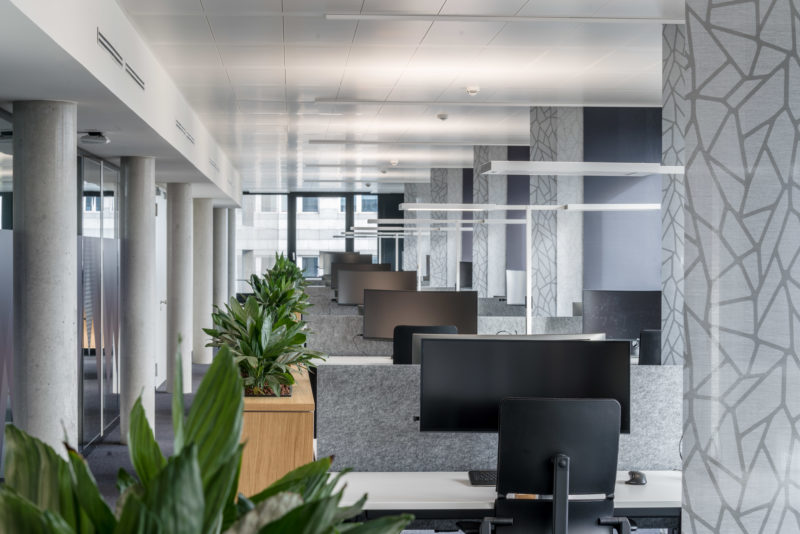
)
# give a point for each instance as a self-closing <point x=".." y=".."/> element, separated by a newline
<point x="220" y="260"/>
<point x="203" y="237"/>
<point x="137" y="285"/>
<point x="231" y="252"/>
<point x="179" y="282"/>
<point x="45" y="391"/>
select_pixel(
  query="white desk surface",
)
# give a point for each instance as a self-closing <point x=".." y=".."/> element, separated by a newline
<point x="452" y="491"/>
<point x="357" y="360"/>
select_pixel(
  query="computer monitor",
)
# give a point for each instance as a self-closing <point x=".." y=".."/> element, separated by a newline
<point x="328" y="257"/>
<point x="383" y="310"/>
<point x="364" y="263"/>
<point x="462" y="382"/>
<point x="621" y="314"/>
<point x="416" y="340"/>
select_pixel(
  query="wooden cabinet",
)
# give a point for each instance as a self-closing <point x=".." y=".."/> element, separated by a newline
<point x="279" y="436"/>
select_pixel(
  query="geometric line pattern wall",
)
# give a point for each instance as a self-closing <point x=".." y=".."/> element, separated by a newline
<point x="674" y="112"/>
<point x="484" y="189"/>
<point x="439" y="259"/>
<point x="413" y="245"/>
<point x="543" y="190"/>
<point x="741" y="449"/>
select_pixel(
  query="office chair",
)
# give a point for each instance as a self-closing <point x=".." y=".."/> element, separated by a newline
<point x="554" y="448"/>
<point x="403" y="335"/>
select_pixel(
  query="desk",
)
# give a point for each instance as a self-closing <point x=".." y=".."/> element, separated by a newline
<point x="448" y="495"/>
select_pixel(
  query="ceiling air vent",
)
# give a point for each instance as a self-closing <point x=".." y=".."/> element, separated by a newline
<point x="213" y="164"/>
<point x="108" y="47"/>
<point x="184" y="131"/>
<point x="136" y="78"/>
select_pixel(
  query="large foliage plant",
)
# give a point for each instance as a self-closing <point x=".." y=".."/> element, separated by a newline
<point x="194" y="491"/>
<point x="282" y="288"/>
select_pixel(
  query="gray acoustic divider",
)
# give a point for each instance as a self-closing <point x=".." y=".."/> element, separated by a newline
<point x="353" y="282"/>
<point x="336" y="268"/>
<point x="365" y="417"/>
<point x="340" y="335"/>
<point x="323" y="303"/>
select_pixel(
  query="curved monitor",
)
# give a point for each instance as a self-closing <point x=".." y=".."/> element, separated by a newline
<point x="383" y="310"/>
<point x="352" y="283"/>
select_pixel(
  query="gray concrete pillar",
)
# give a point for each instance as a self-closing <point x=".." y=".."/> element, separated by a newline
<point x="220" y="261"/>
<point x="231" y="253"/>
<point x="137" y="286"/>
<point x="203" y="253"/>
<point x="489" y="240"/>
<point x="179" y="282"/>
<point x="45" y="392"/>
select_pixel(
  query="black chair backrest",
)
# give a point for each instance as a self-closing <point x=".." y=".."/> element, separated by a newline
<point x="533" y="431"/>
<point x="403" y="335"/>
<point x="650" y="347"/>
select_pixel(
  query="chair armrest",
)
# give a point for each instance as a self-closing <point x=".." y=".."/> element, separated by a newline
<point x="620" y="524"/>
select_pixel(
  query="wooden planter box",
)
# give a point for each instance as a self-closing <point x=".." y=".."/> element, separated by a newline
<point x="279" y="436"/>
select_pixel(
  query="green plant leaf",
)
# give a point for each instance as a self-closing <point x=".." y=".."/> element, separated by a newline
<point x="384" y="525"/>
<point x="124" y="480"/>
<point x="266" y="512"/>
<point x="18" y="514"/>
<point x="34" y="471"/>
<point x="175" y="496"/>
<point x="314" y="517"/>
<point x="135" y="518"/>
<point x="177" y="405"/>
<point x="302" y="480"/>
<point x="89" y="496"/>
<point x="144" y="451"/>
<point x="221" y="491"/>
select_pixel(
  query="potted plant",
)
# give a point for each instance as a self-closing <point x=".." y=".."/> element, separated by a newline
<point x="267" y="344"/>
<point x="193" y="491"/>
<point x="283" y="285"/>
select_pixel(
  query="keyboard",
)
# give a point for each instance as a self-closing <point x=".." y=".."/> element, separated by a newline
<point x="483" y="478"/>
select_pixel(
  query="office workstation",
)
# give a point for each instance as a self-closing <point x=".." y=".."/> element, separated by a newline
<point x="450" y="266"/>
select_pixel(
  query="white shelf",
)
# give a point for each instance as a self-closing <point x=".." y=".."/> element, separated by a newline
<point x="576" y="168"/>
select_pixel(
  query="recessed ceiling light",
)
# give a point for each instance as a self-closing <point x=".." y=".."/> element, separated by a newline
<point x="394" y="162"/>
<point x="94" y="138"/>
<point x="473" y="90"/>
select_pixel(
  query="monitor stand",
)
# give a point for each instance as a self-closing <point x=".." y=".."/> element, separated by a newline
<point x="483" y="478"/>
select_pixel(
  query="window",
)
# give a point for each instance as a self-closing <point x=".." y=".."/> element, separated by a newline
<point x="342" y="205"/>
<point x="369" y="203"/>
<point x="310" y="205"/>
<point x="310" y="266"/>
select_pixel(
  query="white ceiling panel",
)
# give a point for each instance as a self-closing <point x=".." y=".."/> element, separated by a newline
<point x="253" y="76"/>
<point x="175" y="29"/>
<point x="329" y="57"/>
<point x="248" y="29"/>
<point x="317" y="30"/>
<point x="427" y="7"/>
<point x="259" y="92"/>
<point x="204" y="76"/>
<point x="482" y="7"/>
<point x="389" y="56"/>
<point x="187" y="55"/>
<point x="144" y="7"/>
<point x="252" y="56"/>
<point x="240" y="6"/>
<point x="401" y="32"/>
<point x="561" y="8"/>
<point x="450" y="33"/>
<point x="322" y="6"/>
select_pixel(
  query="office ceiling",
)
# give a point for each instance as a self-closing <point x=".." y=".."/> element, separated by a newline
<point x="277" y="82"/>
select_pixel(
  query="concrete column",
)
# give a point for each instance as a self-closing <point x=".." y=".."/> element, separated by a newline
<point x="220" y="260"/>
<point x="489" y="240"/>
<point x="179" y="282"/>
<point x="231" y="253"/>
<point x="45" y="391"/>
<point x="203" y="237"/>
<point x="137" y="285"/>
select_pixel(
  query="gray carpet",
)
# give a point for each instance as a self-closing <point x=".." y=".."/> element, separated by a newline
<point x="109" y="455"/>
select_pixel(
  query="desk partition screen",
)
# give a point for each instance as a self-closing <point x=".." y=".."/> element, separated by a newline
<point x="352" y="283"/>
<point x="621" y="314"/>
<point x="464" y="381"/>
<point x="327" y="258"/>
<point x="383" y="310"/>
<point x="337" y="268"/>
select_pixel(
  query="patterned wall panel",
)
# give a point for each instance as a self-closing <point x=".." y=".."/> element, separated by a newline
<point x="439" y="258"/>
<point x="673" y="119"/>
<point x="415" y="246"/>
<point x="741" y="451"/>
<point x="544" y="190"/>
<point x="488" y="189"/>
<point x="455" y="187"/>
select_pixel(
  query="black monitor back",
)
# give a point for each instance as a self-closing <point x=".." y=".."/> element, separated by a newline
<point x="621" y="314"/>
<point x="462" y="382"/>
<point x="465" y="273"/>
<point x="403" y="337"/>
<point x="650" y="347"/>
<point x="383" y="310"/>
<point x="352" y="284"/>
<point x="362" y="263"/>
<point x="533" y="431"/>
<point x="329" y="258"/>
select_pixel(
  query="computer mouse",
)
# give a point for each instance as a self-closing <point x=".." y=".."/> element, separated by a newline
<point x="637" y="478"/>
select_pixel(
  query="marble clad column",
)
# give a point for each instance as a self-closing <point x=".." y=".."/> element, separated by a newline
<point x="220" y="259"/>
<point x="202" y="261"/>
<point x="489" y="240"/>
<point x="446" y="185"/>
<point x="673" y="120"/>
<point x="45" y="308"/>
<point x="415" y="193"/>
<point x="179" y="282"/>
<point x="741" y="446"/>
<point x="557" y="262"/>
<point x="137" y="286"/>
